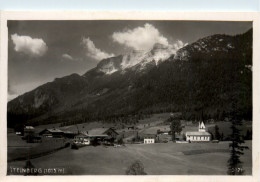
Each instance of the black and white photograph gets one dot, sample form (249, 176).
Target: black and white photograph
(129, 97)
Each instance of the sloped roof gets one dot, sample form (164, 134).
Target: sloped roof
(84, 132)
(151, 130)
(52, 130)
(149, 135)
(81, 135)
(98, 132)
(68, 132)
(197, 133)
(29, 127)
(202, 126)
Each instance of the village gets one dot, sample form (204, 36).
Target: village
(112, 137)
(149, 140)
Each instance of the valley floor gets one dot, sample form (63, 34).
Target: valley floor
(158, 159)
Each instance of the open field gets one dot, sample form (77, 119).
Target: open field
(158, 159)
(19, 149)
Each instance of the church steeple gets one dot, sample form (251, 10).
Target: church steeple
(202, 127)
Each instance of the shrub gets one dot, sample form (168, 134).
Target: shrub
(136, 168)
(120, 141)
(74, 146)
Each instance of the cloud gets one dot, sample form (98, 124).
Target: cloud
(177, 45)
(167, 51)
(11, 96)
(94, 52)
(30, 46)
(67, 57)
(11, 92)
(140, 38)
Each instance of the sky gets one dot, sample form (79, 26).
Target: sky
(40, 51)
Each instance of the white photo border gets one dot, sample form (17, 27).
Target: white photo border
(128, 15)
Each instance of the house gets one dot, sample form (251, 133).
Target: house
(163, 135)
(149, 135)
(149, 138)
(102, 133)
(28, 130)
(198, 136)
(95, 136)
(82, 139)
(69, 134)
(55, 133)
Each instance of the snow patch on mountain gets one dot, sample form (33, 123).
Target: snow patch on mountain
(109, 68)
(158, 53)
(140, 58)
(133, 58)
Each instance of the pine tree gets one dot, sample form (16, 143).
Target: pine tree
(217, 134)
(234, 163)
(175, 126)
(222, 136)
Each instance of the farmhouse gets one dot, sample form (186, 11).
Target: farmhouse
(198, 136)
(149, 138)
(102, 133)
(95, 136)
(69, 134)
(82, 139)
(28, 130)
(149, 135)
(56, 133)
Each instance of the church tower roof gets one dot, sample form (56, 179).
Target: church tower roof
(202, 127)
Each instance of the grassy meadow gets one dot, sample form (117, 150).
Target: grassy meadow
(158, 159)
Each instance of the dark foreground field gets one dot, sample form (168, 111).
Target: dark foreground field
(19, 149)
(158, 159)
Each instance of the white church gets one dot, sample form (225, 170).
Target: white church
(198, 136)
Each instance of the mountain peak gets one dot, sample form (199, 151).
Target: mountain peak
(110, 65)
(209, 46)
(173, 84)
(136, 59)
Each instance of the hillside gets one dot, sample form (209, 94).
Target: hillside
(210, 78)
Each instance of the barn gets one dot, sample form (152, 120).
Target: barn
(55, 133)
(198, 136)
(69, 134)
(28, 130)
(102, 133)
(82, 139)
